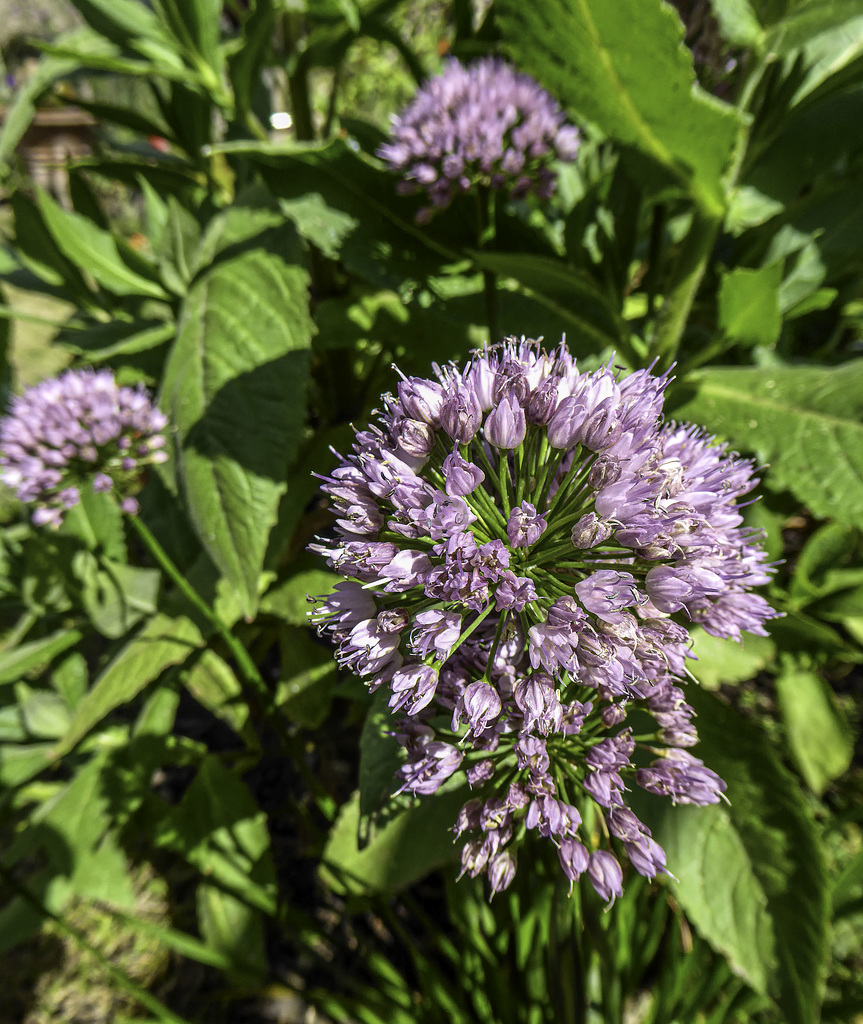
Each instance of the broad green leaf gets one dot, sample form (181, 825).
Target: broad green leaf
(119, 338)
(749, 304)
(36, 249)
(72, 831)
(88, 246)
(116, 595)
(318, 223)
(804, 421)
(354, 187)
(380, 754)
(219, 828)
(407, 846)
(726, 661)
(70, 678)
(738, 22)
(307, 677)
(751, 873)
(97, 521)
(289, 598)
(234, 389)
(848, 888)
(19, 764)
(623, 66)
(46, 714)
(212, 682)
(36, 653)
(829, 547)
(161, 643)
(12, 725)
(234, 931)
(819, 736)
(568, 293)
(748, 208)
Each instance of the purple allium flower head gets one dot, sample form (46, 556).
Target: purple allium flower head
(78, 429)
(484, 124)
(518, 607)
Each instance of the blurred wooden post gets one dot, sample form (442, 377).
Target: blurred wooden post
(56, 135)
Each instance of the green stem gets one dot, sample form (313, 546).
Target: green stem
(486, 229)
(505, 483)
(494, 645)
(480, 501)
(145, 998)
(298, 85)
(691, 265)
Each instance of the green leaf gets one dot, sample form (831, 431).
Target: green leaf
(121, 21)
(289, 598)
(749, 304)
(308, 674)
(195, 25)
(36, 249)
(20, 112)
(726, 661)
(161, 643)
(120, 338)
(409, 845)
(602, 60)
(98, 523)
(212, 682)
(70, 678)
(88, 246)
(245, 65)
(804, 421)
(828, 548)
(738, 23)
(827, 34)
(355, 187)
(219, 829)
(568, 293)
(20, 764)
(46, 715)
(171, 938)
(36, 654)
(380, 754)
(318, 223)
(819, 736)
(748, 208)
(72, 831)
(234, 389)
(234, 931)
(806, 148)
(751, 874)
(116, 595)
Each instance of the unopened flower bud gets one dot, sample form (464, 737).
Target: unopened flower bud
(543, 402)
(590, 531)
(505, 425)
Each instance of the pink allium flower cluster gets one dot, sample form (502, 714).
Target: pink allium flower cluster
(523, 544)
(80, 427)
(485, 124)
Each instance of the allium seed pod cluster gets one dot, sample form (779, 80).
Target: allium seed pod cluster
(78, 429)
(485, 124)
(522, 544)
